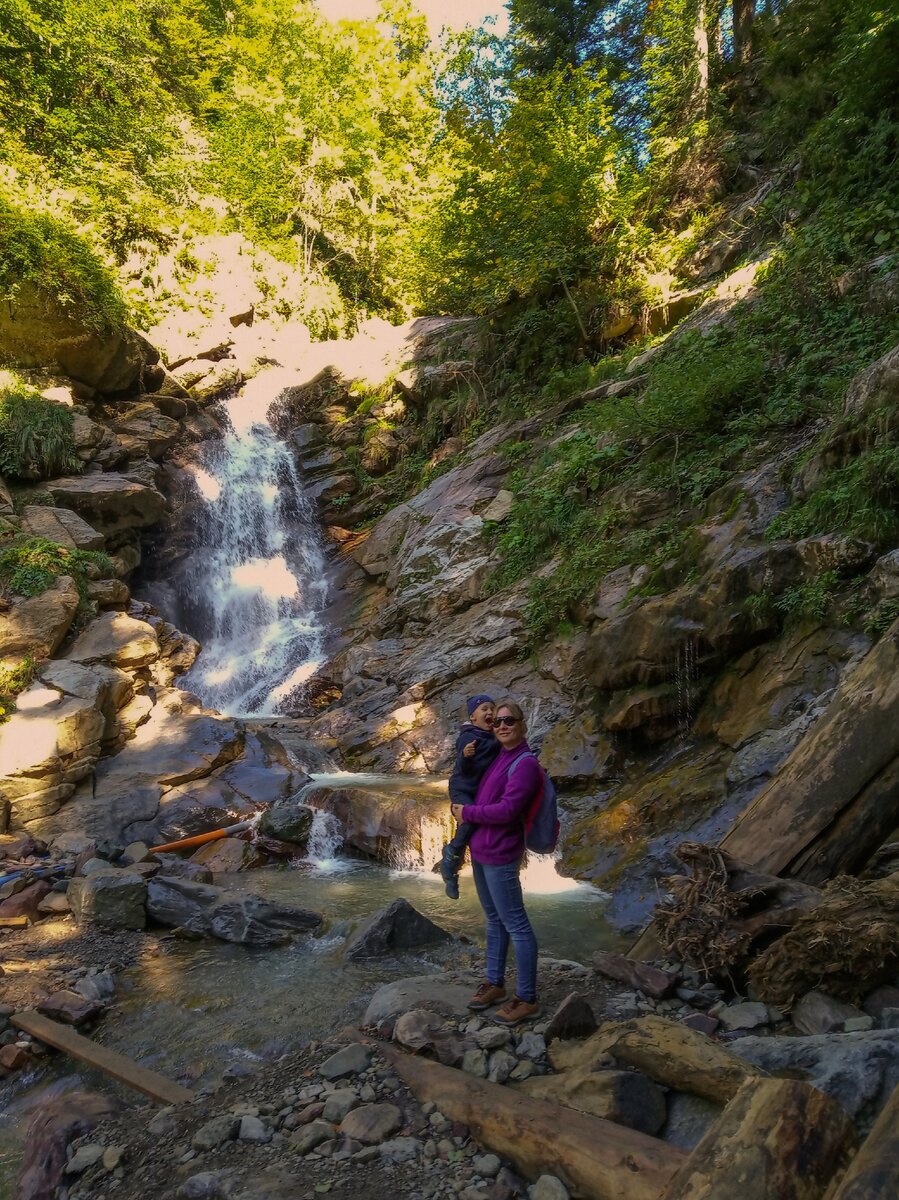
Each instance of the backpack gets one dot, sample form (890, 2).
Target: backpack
(541, 821)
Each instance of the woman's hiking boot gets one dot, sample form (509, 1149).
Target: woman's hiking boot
(486, 996)
(516, 1010)
(450, 863)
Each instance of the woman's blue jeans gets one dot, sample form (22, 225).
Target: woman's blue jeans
(499, 891)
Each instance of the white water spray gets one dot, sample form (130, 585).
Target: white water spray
(257, 578)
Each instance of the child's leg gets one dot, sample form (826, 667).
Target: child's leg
(460, 839)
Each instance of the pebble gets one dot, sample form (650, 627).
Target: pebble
(351, 1060)
(252, 1129)
(475, 1063)
(487, 1165)
(339, 1103)
(211, 1135)
(400, 1149)
(548, 1187)
(311, 1136)
(530, 1045)
(84, 1157)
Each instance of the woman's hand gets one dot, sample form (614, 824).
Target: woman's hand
(456, 810)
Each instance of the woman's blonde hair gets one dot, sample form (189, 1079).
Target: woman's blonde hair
(513, 708)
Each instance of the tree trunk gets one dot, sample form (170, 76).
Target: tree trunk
(874, 1172)
(594, 1158)
(744, 15)
(701, 40)
(778, 1139)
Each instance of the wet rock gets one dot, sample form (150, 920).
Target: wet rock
(228, 855)
(574, 1018)
(816, 1012)
(13, 1057)
(397, 927)
(183, 868)
(287, 823)
(110, 897)
(372, 1123)
(69, 1008)
(231, 916)
(350, 1060)
(216, 1132)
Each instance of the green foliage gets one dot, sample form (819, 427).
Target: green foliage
(46, 253)
(13, 680)
(30, 565)
(35, 434)
(882, 618)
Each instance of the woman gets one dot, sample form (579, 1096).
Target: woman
(497, 848)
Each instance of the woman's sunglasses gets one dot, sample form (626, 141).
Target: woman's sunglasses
(508, 722)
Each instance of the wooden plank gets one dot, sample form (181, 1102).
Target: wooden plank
(157, 1087)
(778, 1139)
(595, 1158)
(874, 1172)
(13, 922)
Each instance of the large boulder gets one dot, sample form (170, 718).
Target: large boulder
(446, 993)
(36, 625)
(60, 525)
(398, 927)
(118, 639)
(38, 331)
(288, 822)
(113, 898)
(110, 502)
(145, 431)
(221, 913)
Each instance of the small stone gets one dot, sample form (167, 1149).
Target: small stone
(96, 987)
(253, 1130)
(487, 1165)
(749, 1015)
(351, 1060)
(548, 1187)
(524, 1070)
(475, 1063)
(889, 1018)
(136, 852)
(858, 1024)
(367, 1154)
(492, 1037)
(84, 1157)
(70, 1008)
(311, 1136)
(501, 1066)
(530, 1045)
(207, 1185)
(702, 1023)
(215, 1133)
(574, 1018)
(112, 1156)
(164, 1124)
(338, 1104)
(372, 1123)
(816, 1012)
(13, 1057)
(400, 1149)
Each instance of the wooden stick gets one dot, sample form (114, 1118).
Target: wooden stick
(778, 1139)
(594, 1158)
(157, 1087)
(874, 1172)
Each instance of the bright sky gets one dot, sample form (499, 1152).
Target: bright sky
(455, 13)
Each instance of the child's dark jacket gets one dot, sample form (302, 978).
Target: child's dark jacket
(468, 772)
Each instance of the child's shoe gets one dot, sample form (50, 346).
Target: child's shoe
(449, 871)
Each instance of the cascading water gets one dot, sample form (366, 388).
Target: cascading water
(256, 583)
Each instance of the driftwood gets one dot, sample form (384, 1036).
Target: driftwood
(666, 1051)
(595, 1159)
(874, 1172)
(845, 946)
(717, 915)
(778, 1139)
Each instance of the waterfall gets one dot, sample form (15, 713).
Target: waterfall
(256, 583)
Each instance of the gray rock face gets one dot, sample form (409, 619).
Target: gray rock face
(228, 915)
(372, 1123)
(287, 822)
(61, 525)
(183, 868)
(859, 1070)
(109, 897)
(37, 624)
(108, 501)
(117, 639)
(398, 927)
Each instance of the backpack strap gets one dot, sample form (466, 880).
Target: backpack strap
(524, 754)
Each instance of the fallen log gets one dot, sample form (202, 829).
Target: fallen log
(874, 1172)
(846, 946)
(595, 1159)
(667, 1051)
(778, 1139)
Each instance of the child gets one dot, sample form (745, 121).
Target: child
(476, 748)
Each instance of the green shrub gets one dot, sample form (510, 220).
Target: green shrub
(13, 680)
(44, 252)
(36, 439)
(30, 565)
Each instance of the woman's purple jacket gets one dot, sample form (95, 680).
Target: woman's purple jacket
(500, 806)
